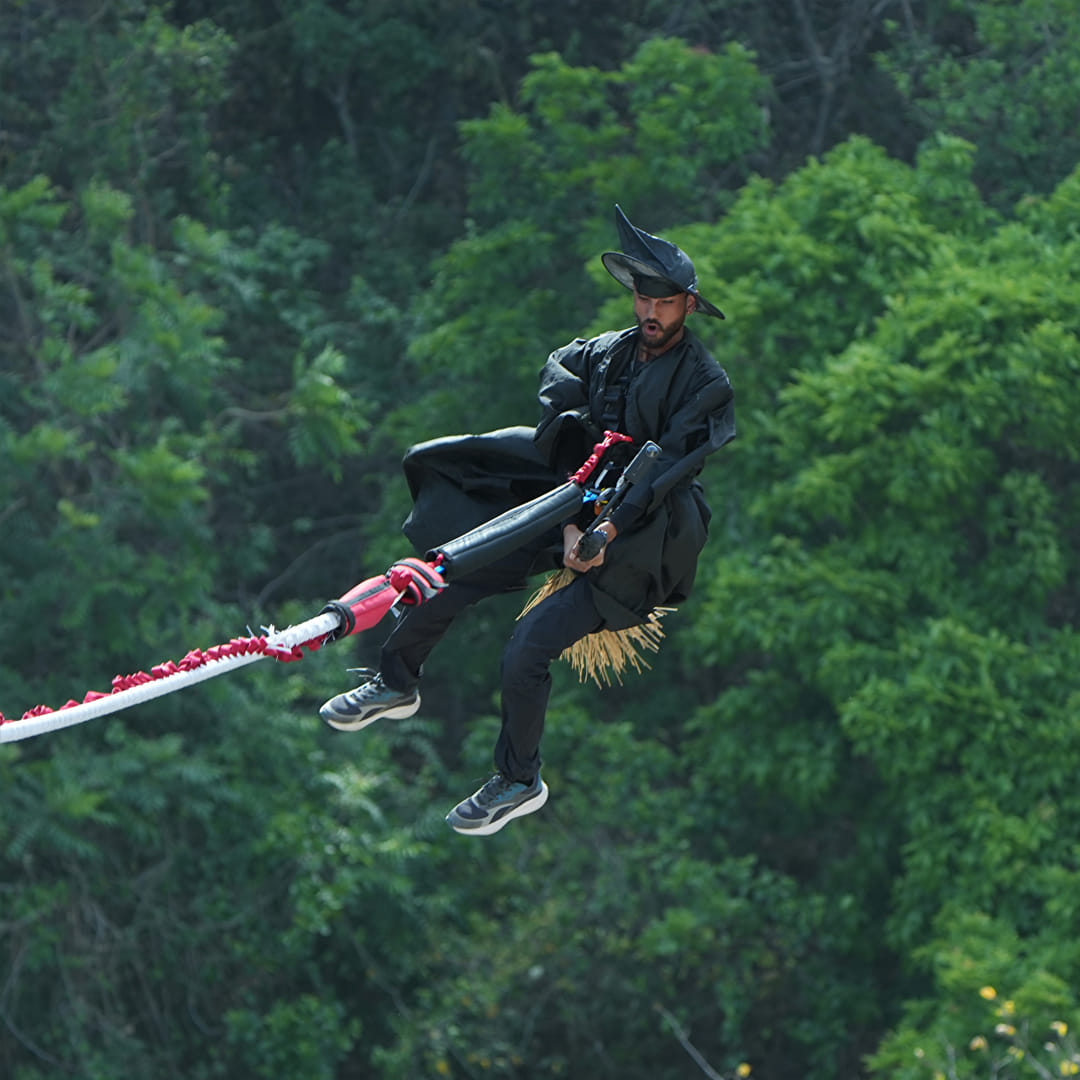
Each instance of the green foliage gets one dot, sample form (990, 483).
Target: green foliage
(119, 94)
(1004, 75)
(914, 581)
(637, 907)
(305, 1037)
(127, 426)
(108, 373)
(1008, 1017)
(249, 252)
(544, 182)
(179, 883)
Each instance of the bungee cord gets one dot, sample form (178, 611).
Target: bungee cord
(197, 666)
(409, 581)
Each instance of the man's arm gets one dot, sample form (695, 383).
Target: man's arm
(700, 426)
(564, 381)
(567, 429)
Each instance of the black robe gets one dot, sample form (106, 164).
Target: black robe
(681, 400)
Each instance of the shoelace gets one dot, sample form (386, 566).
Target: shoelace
(372, 683)
(364, 672)
(498, 785)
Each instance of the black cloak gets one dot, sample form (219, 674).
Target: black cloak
(681, 400)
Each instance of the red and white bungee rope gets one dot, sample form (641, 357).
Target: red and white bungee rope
(197, 666)
(410, 581)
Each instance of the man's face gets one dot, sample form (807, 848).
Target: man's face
(660, 318)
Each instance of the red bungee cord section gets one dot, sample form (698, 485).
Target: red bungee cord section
(410, 581)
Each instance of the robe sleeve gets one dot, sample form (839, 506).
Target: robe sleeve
(697, 428)
(566, 433)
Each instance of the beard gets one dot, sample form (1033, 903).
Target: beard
(655, 334)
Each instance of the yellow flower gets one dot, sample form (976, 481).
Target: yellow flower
(1007, 1008)
(1005, 1029)
(442, 1067)
(1060, 1028)
(743, 1069)
(978, 1043)
(988, 992)
(1069, 1068)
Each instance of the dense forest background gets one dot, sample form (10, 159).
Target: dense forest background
(250, 251)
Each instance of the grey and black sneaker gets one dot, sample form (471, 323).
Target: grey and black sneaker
(370, 701)
(497, 802)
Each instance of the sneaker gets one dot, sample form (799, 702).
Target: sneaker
(497, 802)
(370, 701)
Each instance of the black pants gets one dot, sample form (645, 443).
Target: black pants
(538, 638)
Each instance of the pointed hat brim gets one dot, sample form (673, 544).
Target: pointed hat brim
(654, 257)
(623, 268)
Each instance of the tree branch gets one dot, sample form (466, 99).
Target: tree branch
(826, 72)
(686, 1044)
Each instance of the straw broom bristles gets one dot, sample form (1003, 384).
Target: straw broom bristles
(605, 653)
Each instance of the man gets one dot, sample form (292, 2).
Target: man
(654, 381)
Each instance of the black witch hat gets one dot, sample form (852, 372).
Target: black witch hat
(646, 261)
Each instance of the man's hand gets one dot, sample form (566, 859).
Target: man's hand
(572, 534)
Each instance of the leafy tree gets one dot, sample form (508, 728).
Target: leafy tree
(119, 94)
(174, 886)
(634, 907)
(584, 139)
(906, 572)
(1003, 75)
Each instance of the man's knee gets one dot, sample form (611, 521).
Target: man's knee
(525, 660)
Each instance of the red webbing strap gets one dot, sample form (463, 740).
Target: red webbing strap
(611, 438)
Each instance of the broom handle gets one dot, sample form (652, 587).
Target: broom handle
(593, 539)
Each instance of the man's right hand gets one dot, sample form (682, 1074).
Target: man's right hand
(571, 536)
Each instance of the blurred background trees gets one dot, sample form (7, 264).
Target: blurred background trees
(250, 252)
